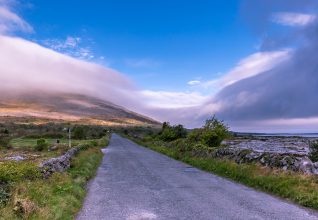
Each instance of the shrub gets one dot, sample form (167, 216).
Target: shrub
(171, 133)
(211, 134)
(145, 139)
(313, 155)
(94, 143)
(14, 172)
(40, 144)
(5, 141)
(79, 132)
(125, 132)
(101, 134)
(4, 197)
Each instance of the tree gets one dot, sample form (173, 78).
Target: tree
(79, 132)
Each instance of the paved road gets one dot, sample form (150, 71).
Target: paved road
(134, 182)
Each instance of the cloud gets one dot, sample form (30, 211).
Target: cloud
(11, 22)
(69, 47)
(164, 99)
(26, 66)
(250, 66)
(292, 19)
(142, 63)
(194, 82)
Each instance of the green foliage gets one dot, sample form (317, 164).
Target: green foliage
(94, 143)
(101, 134)
(79, 132)
(126, 132)
(313, 155)
(211, 134)
(5, 141)
(40, 141)
(165, 125)
(146, 139)
(14, 172)
(4, 197)
(4, 131)
(171, 133)
(40, 144)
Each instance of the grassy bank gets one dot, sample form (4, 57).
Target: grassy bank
(60, 196)
(293, 186)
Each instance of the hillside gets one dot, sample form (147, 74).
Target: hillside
(68, 107)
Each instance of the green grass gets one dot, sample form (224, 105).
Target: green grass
(296, 187)
(60, 196)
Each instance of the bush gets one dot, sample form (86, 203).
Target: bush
(211, 134)
(14, 172)
(126, 132)
(79, 132)
(171, 133)
(145, 139)
(40, 144)
(101, 134)
(94, 142)
(5, 141)
(313, 155)
(4, 197)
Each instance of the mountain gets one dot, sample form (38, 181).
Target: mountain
(61, 107)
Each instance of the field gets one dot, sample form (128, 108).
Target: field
(26, 148)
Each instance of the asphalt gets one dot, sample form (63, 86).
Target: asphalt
(134, 182)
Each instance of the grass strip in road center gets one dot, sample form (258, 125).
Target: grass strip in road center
(58, 197)
(296, 187)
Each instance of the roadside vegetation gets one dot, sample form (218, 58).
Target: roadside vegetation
(24, 194)
(196, 147)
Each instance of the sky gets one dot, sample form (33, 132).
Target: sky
(251, 63)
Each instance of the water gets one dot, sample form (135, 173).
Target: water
(311, 135)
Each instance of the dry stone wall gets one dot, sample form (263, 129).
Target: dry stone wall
(61, 163)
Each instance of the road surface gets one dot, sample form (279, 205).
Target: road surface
(134, 182)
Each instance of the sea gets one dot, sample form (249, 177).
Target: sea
(314, 135)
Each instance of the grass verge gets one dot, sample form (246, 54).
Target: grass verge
(296, 187)
(60, 196)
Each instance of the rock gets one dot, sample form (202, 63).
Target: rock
(25, 152)
(16, 158)
(59, 164)
(305, 166)
(53, 148)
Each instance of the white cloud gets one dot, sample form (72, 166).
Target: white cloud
(164, 99)
(292, 19)
(69, 47)
(142, 63)
(194, 82)
(250, 66)
(10, 21)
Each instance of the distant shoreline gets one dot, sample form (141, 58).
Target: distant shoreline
(310, 135)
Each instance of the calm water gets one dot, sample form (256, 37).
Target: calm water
(280, 134)
(289, 135)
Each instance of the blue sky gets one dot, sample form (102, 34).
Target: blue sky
(252, 63)
(162, 45)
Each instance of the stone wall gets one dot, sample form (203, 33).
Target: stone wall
(285, 161)
(61, 163)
